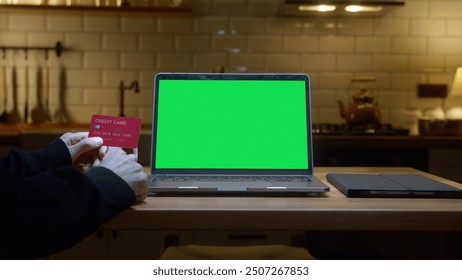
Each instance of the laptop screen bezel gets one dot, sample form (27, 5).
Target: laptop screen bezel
(232, 76)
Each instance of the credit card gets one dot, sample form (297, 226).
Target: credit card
(116, 131)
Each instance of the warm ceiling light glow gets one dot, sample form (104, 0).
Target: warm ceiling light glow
(359, 8)
(316, 8)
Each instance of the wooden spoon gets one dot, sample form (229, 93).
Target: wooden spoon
(26, 93)
(4, 115)
(38, 113)
(61, 115)
(13, 116)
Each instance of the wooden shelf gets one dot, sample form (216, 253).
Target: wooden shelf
(137, 10)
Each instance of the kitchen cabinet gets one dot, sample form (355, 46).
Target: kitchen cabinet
(150, 244)
(125, 244)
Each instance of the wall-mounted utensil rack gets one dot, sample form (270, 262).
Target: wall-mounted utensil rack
(156, 11)
(57, 48)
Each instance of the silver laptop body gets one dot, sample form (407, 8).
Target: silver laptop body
(229, 134)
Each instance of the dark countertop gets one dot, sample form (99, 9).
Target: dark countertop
(382, 142)
(10, 134)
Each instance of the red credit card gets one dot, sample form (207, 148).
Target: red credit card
(116, 131)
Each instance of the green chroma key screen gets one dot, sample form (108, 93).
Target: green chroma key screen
(231, 124)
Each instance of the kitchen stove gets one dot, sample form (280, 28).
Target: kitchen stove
(362, 129)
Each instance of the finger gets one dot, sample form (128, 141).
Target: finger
(102, 151)
(97, 162)
(71, 138)
(85, 145)
(132, 157)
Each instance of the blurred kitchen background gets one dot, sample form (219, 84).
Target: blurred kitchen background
(418, 43)
(104, 47)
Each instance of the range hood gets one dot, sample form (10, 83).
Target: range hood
(339, 7)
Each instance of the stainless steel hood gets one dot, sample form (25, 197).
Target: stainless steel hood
(340, 7)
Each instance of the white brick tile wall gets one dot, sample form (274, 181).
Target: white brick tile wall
(445, 8)
(212, 25)
(83, 41)
(377, 44)
(301, 44)
(192, 43)
(428, 27)
(26, 21)
(175, 61)
(354, 62)
(418, 43)
(426, 62)
(409, 45)
(391, 26)
(43, 39)
(13, 38)
(138, 24)
(266, 43)
(247, 62)
(319, 26)
(120, 42)
(452, 61)
(334, 80)
(333, 44)
(413, 9)
(390, 62)
(3, 20)
(264, 7)
(83, 78)
(205, 62)
(283, 26)
(175, 25)
(138, 60)
(108, 97)
(230, 43)
(444, 45)
(65, 22)
(101, 60)
(406, 81)
(283, 62)
(112, 78)
(102, 23)
(157, 42)
(454, 27)
(355, 26)
(318, 62)
(247, 25)
(234, 7)
(323, 98)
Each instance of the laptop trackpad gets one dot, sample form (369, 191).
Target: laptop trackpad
(231, 186)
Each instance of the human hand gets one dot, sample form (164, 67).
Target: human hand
(127, 168)
(84, 150)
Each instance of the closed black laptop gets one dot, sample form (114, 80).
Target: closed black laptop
(392, 185)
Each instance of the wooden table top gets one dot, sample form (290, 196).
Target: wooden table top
(332, 211)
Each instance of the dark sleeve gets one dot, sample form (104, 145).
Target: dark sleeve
(21, 163)
(52, 209)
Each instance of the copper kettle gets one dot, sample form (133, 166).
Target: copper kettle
(362, 110)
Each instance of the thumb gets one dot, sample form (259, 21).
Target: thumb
(85, 145)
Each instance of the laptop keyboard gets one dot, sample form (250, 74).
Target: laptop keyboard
(232, 178)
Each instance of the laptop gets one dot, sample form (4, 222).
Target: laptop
(392, 185)
(229, 134)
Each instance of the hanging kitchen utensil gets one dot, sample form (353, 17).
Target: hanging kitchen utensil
(38, 112)
(13, 116)
(4, 115)
(46, 91)
(26, 94)
(61, 115)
